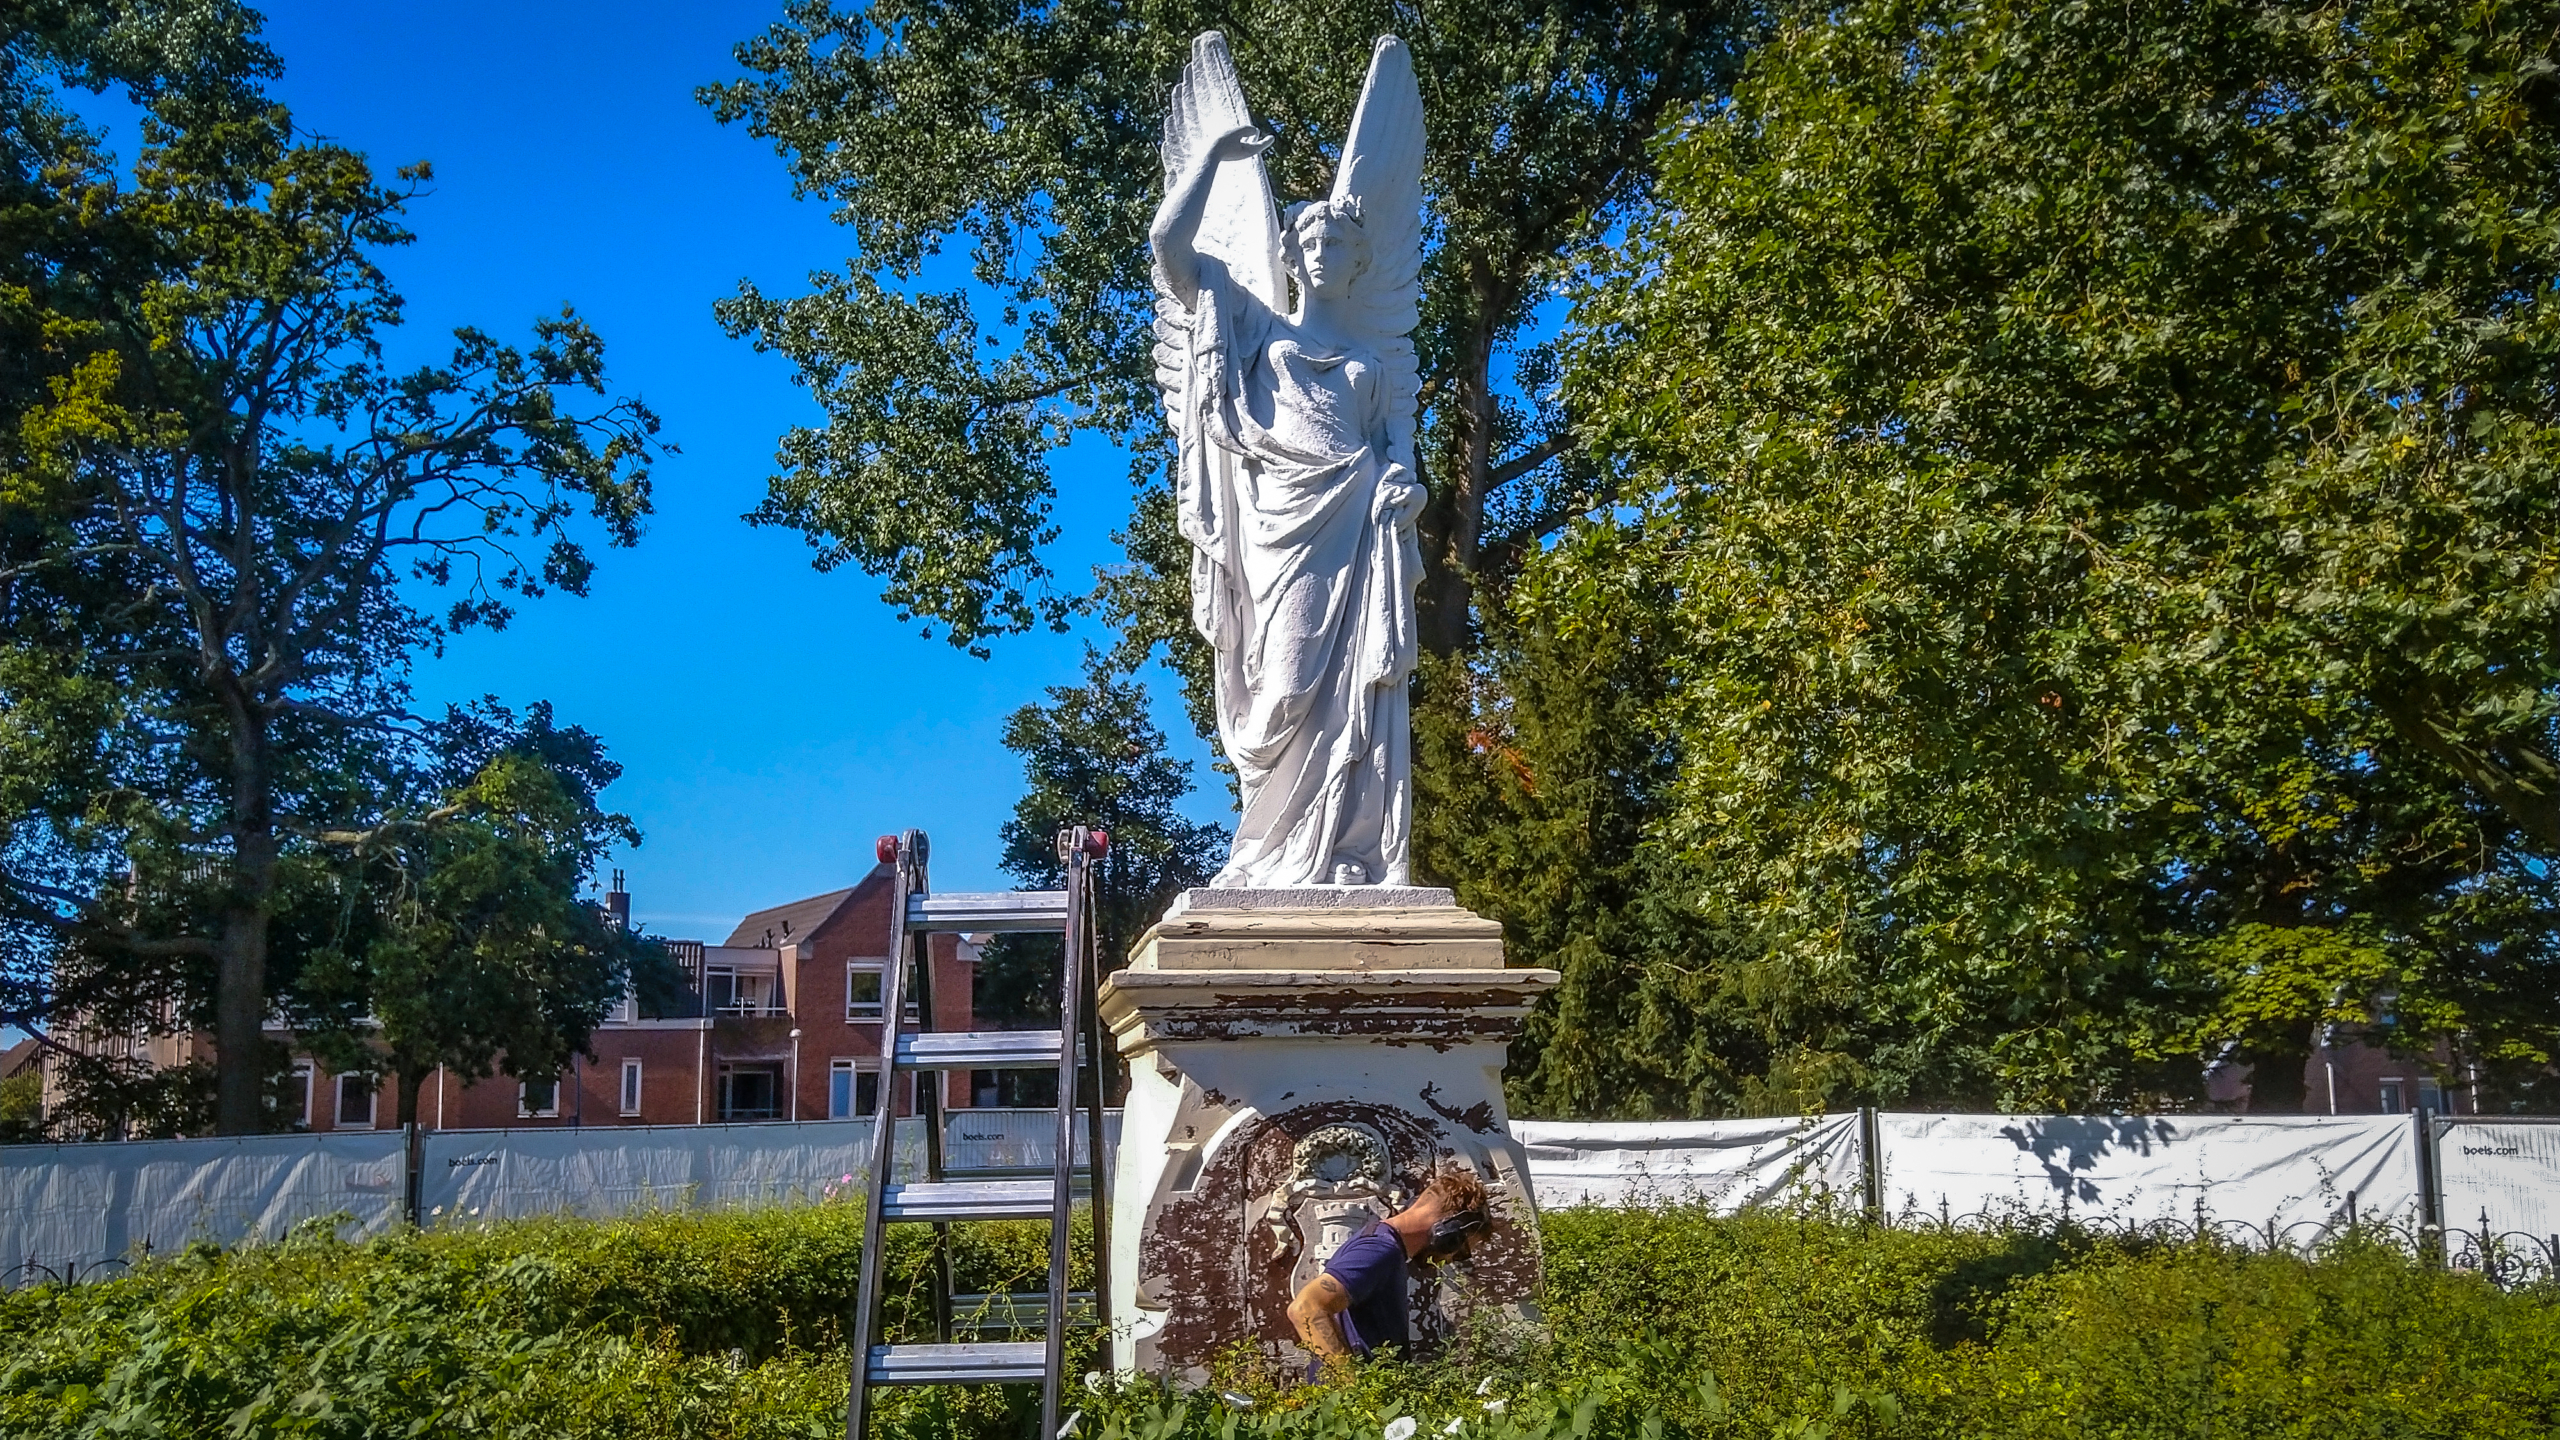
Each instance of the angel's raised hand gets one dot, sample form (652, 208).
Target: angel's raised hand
(1243, 142)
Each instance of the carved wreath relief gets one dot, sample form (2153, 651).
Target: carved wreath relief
(1339, 1179)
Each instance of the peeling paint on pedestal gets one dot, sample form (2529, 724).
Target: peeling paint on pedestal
(1222, 1277)
(1232, 1068)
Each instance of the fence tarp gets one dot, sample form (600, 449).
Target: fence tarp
(603, 1171)
(1726, 1164)
(64, 1206)
(2264, 1170)
(2509, 1170)
(1018, 1139)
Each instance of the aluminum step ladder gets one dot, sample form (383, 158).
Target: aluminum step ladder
(943, 1197)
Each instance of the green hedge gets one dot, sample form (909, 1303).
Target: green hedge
(1663, 1323)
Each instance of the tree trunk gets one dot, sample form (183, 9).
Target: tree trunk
(409, 1084)
(240, 986)
(240, 1003)
(1452, 521)
(1443, 605)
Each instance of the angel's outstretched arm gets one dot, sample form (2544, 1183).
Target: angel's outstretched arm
(1178, 218)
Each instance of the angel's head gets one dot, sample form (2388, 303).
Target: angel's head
(1325, 245)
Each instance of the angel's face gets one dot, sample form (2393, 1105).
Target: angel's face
(1329, 256)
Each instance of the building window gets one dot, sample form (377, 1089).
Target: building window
(538, 1097)
(2431, 1096)
(853, 1090)
(862, 990)
(750, 1092)
(355, 1101)
(631, 1087)
(301, 1097)
(1014, 1089)
(726, 992)
(843, 1076)
(2392, 1104)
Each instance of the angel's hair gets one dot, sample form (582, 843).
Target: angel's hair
(1344, 214)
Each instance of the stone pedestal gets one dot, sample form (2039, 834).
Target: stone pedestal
(1300, 1059)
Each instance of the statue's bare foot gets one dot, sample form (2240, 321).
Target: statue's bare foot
(1349, 873)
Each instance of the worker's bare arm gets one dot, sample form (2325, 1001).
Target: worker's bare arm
(1313, 1311)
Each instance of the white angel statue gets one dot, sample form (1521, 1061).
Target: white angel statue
(1296, 480)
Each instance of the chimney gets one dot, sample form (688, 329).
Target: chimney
(617, 904)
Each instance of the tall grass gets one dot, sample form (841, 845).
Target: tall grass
(1668, 1323)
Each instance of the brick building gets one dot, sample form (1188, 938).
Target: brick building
(784, 1025)
(2345, 1076)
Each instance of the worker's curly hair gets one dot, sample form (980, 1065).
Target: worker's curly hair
(1457, 1189)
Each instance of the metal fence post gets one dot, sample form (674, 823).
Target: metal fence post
(2430, 1203)
(1871, 1161)
(413, 1192)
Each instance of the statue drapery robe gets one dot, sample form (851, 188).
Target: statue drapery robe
(1305, 593)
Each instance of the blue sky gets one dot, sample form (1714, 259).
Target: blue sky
(772, 720)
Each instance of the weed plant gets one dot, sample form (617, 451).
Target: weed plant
(1658, 1325)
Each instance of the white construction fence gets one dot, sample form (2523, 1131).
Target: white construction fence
(2125, 1169)
(2481, 1189)
(1726, 1164)
(66, 1209)
(505, 1173)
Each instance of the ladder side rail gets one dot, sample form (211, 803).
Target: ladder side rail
(1100, 1063)
(929, 1098)
(907, 859)
(1062, 1159)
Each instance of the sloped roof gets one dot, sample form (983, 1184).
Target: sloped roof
(787, 924)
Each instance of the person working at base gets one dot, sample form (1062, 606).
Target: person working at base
(1358, 1303)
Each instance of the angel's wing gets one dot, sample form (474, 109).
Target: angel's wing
(1240, 226)
(1382, 170)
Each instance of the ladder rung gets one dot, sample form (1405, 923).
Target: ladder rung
(1079, 1184)
(957, 1364)
(979, 1049)
(1019, 1311)
(995, 910)
(971, 1200)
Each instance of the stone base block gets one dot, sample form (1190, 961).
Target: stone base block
(1335, 927)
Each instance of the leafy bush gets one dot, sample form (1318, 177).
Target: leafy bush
(678, 1323)
(1665, 1324)
(1826, 1327)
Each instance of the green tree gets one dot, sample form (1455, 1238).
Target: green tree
(2097, 462)
(1030, 136)
(1538, 792)
(222, 500)
(465, 945)
(1092, 757)
(70, 259)
(22, 1106)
